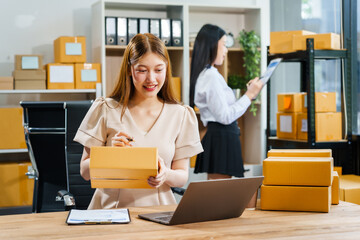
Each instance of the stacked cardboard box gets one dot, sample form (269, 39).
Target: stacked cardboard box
(16, 187)
(328, 125)
(29, 73)
(292, 117)
(114, 167)
(350, 188)
(291, 41)
(6, 83)
(12, 132)
(299, 180)
(70, 69)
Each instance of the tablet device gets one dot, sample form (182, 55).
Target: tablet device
(270, 70)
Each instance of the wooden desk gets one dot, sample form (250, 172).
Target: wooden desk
(343, 222)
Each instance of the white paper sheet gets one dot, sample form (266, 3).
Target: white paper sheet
(98, 216)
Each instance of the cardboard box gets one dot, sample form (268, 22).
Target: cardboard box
(11, 127)
(298, 171)
(30, 84)
(60, 76)
(328, 126)
(29, 75)
(130, 167)
(282, 42)
(338, 169)
(28, 62)
(324, 102)
(321, 41)
(286, 125)
(70, 50)
(350, 188)
(16, 188)
(6, 83)
(299, 153)
(295, 198)
(87, 75)
(289, 102)
(335, 189)
(176, 84)
(193, 161)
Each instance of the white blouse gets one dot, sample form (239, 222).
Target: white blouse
(216, 100)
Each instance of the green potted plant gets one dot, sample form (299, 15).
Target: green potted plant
(250, 43)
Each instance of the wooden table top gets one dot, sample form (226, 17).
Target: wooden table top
(342, 222)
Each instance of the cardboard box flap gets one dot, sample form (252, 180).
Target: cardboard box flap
(299, 153)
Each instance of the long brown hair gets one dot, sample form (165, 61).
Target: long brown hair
(138, 46)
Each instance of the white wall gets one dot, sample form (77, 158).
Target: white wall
(31, 26)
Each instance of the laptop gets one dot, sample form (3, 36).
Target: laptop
(210, 200)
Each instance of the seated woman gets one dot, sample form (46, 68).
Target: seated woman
(142, 108)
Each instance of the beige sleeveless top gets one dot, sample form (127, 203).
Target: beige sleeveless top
(175, 134)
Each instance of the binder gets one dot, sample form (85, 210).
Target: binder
(122, 31)
(144, 25)
(132, 28)
(165, 32)
(176, 33)
(110, 30)
(155, 27)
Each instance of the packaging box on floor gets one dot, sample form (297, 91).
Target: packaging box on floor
(6, 83)
(296, 198)
(282, 42)
(299, 153)
(70, 50)
(330, 41)
(324, 102)
(115, 167)
(87, 75)
(289, 102)
(350, 188)
(328, 126)
(298, 171)
(12, 132)
(60, 76)
(28, 62)
(16, 187)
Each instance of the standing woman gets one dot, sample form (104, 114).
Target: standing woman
(219, 109)
(142, 107)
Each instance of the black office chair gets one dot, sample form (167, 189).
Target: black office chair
(49, 130)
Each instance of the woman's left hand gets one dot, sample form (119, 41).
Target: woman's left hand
(161, 177)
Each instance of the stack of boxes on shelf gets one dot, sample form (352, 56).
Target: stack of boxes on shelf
(70, 70)
(29, 72)
(291, 41)
(292, 117)
(299, 180)
(6, 83)
(17, 189)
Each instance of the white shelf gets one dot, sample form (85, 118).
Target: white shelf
(48, 91)
(23, 150)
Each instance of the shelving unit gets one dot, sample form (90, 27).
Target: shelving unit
(307, 84)
(233, 16)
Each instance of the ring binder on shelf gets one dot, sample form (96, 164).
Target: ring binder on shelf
(165, 31)
(144, 25)
(110, 30)
(155, 27)
(176, 33)
(122, 31)
(132, 28)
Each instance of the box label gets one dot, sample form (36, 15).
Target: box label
(30, 62)
(286, 124)
(73, 49)
(304, 125)
(88, 75)
(61, 74)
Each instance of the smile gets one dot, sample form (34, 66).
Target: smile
(150, 87)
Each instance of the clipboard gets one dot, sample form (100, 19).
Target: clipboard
(98, 216)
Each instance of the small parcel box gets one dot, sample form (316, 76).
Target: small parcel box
(122, 167)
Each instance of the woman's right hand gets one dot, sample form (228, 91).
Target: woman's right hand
(121, 139)
(254, 87)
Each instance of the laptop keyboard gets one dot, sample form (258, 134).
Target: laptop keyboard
(164, 218)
